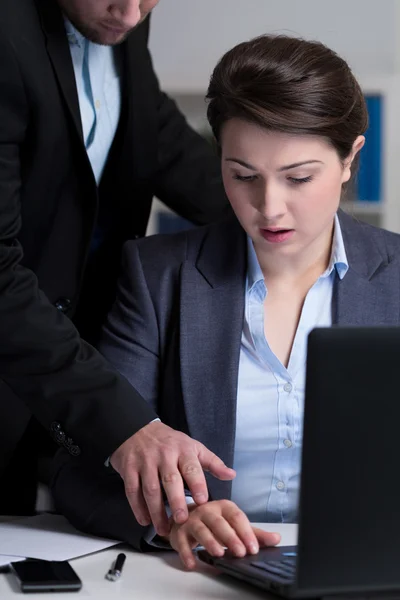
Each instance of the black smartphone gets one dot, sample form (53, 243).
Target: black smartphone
(45, 576)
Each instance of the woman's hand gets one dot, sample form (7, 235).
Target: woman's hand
(216, 526)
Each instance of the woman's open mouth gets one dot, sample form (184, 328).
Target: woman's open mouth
(276, 235)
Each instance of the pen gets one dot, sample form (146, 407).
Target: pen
(116, 568)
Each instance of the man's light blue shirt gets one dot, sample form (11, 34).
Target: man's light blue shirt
(98, 82)
(270, 398)
(97, 76)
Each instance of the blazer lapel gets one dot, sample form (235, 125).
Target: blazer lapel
(139, 106)
(212, 306)
(59, 53)
(368, 295)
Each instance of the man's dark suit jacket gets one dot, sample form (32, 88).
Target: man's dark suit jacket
(175, 333)
(49, 207)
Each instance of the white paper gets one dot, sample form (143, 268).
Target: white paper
(6, 560)
(48, 537)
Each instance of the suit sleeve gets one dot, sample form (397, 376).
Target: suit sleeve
(42, 358)
(93, 500)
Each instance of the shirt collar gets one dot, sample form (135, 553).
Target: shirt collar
(337, 261)
(254, 273)
(75, 38)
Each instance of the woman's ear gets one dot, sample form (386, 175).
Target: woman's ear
(357, 145)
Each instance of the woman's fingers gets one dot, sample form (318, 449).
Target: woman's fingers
(216, 526)
(266, 538)
(184, 548)
(232, 529)
(186, 537)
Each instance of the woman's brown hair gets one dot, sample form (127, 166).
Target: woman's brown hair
(288, 85)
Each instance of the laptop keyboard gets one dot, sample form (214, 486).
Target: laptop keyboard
(284, 569)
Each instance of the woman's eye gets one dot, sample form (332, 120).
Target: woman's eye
(247, 178)
(297, 181)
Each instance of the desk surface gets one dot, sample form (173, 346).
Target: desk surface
(156, 576)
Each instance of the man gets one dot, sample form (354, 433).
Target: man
(86, 139)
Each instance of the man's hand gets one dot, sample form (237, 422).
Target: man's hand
(157, 453)
(217, 525)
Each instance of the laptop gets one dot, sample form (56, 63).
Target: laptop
(349, 510)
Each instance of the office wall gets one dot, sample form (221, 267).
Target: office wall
(188, 36)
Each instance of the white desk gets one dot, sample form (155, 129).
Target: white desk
(156, 576)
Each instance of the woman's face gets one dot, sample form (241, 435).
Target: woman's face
(285, 189)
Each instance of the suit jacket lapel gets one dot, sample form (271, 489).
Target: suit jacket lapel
(369, 293)
(138, 123)
(58, 50)
(212, 305)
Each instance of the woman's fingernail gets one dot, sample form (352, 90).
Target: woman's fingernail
(253, 548)
(238, 550)
(218, 551)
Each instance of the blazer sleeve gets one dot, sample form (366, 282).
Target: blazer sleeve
(42, 358)
(93, 499)
(130, 338)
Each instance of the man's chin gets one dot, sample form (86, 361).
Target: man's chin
(110, 37)
(103, 35)
(106, 37)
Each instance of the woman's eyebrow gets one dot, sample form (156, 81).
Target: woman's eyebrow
(284, 168)
(241, 162)
(299, 164)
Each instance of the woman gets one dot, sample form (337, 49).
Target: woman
(211, 325)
